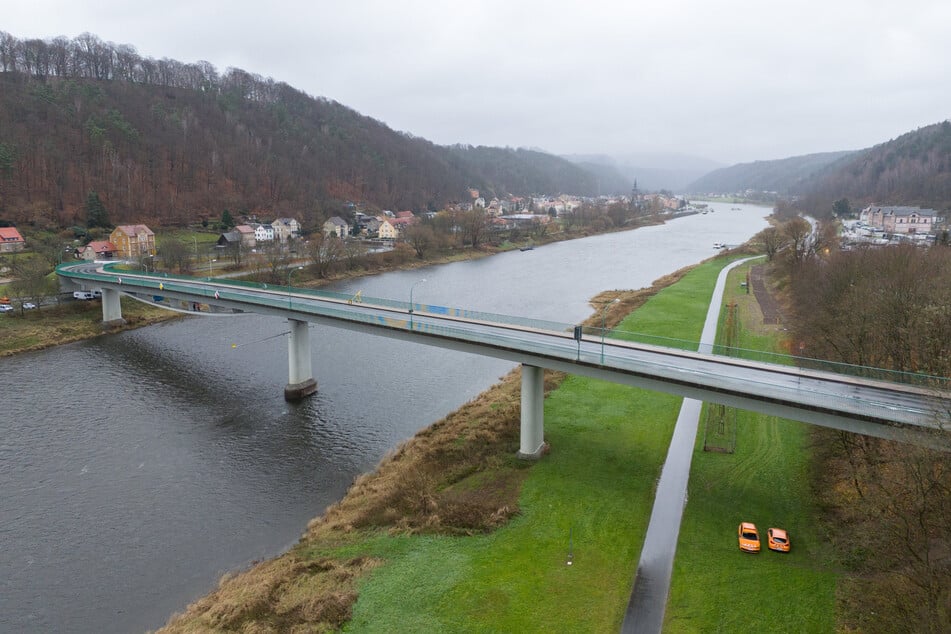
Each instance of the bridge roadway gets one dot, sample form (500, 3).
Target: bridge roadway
(879, 408)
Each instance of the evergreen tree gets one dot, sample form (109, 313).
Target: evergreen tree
(226, 220)
(96, 215)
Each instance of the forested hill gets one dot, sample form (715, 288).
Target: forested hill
(914, 169)
(166, 142)
(784, 176)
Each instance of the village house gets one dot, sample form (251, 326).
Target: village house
(901, 220)
(248, 238)
(133, 241)
(11, 240)
(98, 250)
(386, 230)
(230, 239)
(336, 226)
(286, 228)
(263, 233)
(403, 219)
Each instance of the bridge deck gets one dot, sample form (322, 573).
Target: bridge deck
(864, 405)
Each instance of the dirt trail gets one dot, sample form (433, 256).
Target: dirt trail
(772, 313)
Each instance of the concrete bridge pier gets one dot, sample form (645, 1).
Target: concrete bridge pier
(532, 437)
(111, 308)
(300, 381)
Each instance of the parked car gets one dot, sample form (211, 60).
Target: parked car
(777, 539)
(748, 537)
(28, 305)
(5, 308)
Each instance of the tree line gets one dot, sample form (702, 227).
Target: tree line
(887, 505)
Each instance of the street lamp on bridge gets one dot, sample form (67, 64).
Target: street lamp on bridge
(290, 272)
(411, 288)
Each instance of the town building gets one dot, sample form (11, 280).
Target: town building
(901, 220)
(263, 233)
(248, 238)
(386, 230)
(336, 226)
(133, 241)
(286, 228)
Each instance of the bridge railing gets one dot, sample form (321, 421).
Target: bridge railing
(295, 297)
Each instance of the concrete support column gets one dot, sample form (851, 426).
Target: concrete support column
(532, 440)
(300, 377)
(111, 308)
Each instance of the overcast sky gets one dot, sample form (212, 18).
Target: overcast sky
(727, 80)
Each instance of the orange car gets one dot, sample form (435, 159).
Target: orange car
(778, 540)
(749, 538)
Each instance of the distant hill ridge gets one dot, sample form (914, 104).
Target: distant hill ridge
(784, 176)
(913, 169)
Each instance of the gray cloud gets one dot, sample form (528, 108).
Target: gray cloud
(732, 80)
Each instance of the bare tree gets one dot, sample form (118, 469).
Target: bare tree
(421, 237)
(354, 252)
(325, 253)
(798, 232)
(773, 240)
(175, 254)
(474, 227)
(31, 279)
(277, 261)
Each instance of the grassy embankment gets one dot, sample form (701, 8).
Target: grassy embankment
(451, 533)
(715, 587)
(71, 321)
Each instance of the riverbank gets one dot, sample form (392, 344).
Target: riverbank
(68, 322)
(77, 321)
(451, 529)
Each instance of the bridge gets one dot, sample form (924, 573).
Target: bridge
(904, 407)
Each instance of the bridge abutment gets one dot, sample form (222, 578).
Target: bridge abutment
(532, 436)
(300, 376)
(111, 308)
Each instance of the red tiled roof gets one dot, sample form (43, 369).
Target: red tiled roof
(133, 230)
(101, 246)
(10, 234)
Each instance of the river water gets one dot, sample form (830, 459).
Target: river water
(137, 468)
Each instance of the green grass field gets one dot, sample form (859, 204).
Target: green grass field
(717, 588)
(608, 443)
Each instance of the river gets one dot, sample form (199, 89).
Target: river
(137, 468)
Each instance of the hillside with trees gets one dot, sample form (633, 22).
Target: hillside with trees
(914, 169)
(166, 143)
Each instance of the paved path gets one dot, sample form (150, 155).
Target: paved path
(645, 610)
